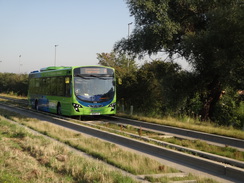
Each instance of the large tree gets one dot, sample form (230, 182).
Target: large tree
(209, 34)
(122, 64)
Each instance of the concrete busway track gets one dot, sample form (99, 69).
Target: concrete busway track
(182, 133)
(226, 141)
(227, 173)
(152, 127)
(199, 153)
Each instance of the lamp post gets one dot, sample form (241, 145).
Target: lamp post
(19, 63)
(129, 29)
(55, 54)
(128, 63)
(1, 62)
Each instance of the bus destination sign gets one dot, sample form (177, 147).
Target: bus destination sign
(93, 70)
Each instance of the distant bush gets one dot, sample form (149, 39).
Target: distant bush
(14, 83)
(229, 110)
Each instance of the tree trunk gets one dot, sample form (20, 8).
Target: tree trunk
(213, 96)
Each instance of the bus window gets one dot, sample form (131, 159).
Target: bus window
(48, 86)
(37, 85)
(60, 86)
(43, 86)
(67, 86)
(53, 86)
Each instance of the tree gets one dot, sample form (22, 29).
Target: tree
(161, 87)
(125, 68)
(209, 34)
(122, 64)
(14, 83)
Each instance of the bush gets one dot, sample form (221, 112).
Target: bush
(14, 83)
(229, 110)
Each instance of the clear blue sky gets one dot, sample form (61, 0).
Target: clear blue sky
(80, 28)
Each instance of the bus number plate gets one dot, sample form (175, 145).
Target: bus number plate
(97, 113)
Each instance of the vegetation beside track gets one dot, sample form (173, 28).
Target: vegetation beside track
(193, 144)
(27, 157)
(191, 124)
(184, 122)
(43, 160)
(128, 161)
(41, 157)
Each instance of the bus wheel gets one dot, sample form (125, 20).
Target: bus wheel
(59, 109)
(36, 105)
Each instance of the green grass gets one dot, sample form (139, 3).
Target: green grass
(34, 159)
(43, 160)
(108, 152)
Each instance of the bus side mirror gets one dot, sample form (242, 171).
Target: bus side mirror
(119, 81)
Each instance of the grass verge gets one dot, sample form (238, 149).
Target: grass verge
(26, 157)
(46, 161)
(108, 152)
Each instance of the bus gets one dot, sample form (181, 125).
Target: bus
(73, 91)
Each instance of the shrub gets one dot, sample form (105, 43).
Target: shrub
(14, 83)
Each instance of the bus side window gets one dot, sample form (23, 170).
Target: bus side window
(48, 86)
(60, 86)
(53, 86)
(37, 85)
(43, 86)
(67, 86)
(31, 85)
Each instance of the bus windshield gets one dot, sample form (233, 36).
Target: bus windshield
(94, 88)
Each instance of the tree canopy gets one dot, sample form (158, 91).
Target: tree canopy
(122, 64)
(209, 34)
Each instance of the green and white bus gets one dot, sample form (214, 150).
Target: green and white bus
(73, 91)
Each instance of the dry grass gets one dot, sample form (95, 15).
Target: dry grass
(32, 158)
(43, 160)
(13, 95)
(111, 153)
(108, 152)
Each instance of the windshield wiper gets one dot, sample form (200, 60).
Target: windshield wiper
(100, 77)
(93, 76)
(82, 76)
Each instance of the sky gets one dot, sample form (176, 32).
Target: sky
(30, 29)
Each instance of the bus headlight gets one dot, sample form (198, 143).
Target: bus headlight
(76, 107)
(112, 106)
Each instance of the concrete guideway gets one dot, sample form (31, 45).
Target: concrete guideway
(227, 172)
(210, 156)
(229, 141)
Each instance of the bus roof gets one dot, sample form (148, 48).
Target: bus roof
(53, 68)
(61, 68)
